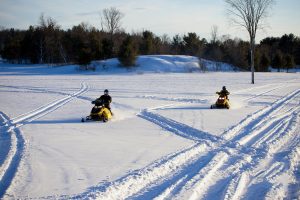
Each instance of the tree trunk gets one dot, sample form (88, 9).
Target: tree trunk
(252, 53)
(62, 53)
(41, 52)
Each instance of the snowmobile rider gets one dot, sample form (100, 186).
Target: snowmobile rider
(223, 92)
(105, 99)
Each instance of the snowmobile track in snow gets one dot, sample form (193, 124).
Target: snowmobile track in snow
(227, 167)
(46, 109)
(13, 143)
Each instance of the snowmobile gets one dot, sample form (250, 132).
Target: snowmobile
(222, 102)
(98, 113)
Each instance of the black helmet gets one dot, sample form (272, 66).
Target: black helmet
(224, 88)
(106, 91)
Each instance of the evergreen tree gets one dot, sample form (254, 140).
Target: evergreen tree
(107, 48)
(47, 43)
(28, 47)
(95, 44)
(264, 63)
(236, 52)
(148, 43)
(214, 52)
(287, 43)
(297, 53)
(50, 40)
(193, 46)
(289, 62)
(12, 46)
(85, 57)
(177, 45)
(278, 61)
(127, 54)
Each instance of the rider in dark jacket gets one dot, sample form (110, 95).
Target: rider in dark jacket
(105, 99)
(223, 92)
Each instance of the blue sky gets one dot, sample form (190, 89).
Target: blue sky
(159, 16)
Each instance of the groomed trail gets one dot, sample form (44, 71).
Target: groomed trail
(12, 140)
(258, 156)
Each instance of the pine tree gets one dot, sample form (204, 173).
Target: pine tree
(264, 62)
(148, 43)
(177, 45)
(85, 56)
(127, 54)
(12, 46)
(193, 46)
(107, 48)
(289, 62)
(278, 61)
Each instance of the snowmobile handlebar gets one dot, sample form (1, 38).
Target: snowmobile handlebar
(97, 102)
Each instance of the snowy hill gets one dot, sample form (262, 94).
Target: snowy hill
(164, 141)
(163, 63)
(144, 64)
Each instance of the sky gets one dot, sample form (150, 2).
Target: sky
(159, 16)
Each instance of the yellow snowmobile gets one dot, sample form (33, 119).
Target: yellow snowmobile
(222, 101)
(98, 113)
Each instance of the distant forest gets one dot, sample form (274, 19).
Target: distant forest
(48, 43)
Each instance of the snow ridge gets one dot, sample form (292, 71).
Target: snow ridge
(178, 128)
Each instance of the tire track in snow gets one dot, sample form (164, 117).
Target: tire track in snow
(265, 124)
(178, 128)
(242, 161)
(265, 92)
(169, 191)
(266, 161)
(207, 169)
(255, 118)
(135, 182)
(170, 173)
(48, 108)
(196, 187)
(178, 99)
(15, 144)
(264, 167)
(13, 157)
(242, 91)
(5, 139)
(237, 187)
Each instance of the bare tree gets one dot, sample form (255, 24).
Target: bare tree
(214, 34)
(111, 20)
(42, 26)
(249, 14)
(49, 40)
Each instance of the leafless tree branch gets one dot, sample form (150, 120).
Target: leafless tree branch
(111, 19)
(250, 15)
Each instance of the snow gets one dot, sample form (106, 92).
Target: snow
(161, 64)
(164, 141)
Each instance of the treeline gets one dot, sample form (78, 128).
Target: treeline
(48, 43)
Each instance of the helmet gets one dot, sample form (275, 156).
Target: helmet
(106, 91)
(224, 88)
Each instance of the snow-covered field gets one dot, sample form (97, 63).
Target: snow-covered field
(164, 141)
